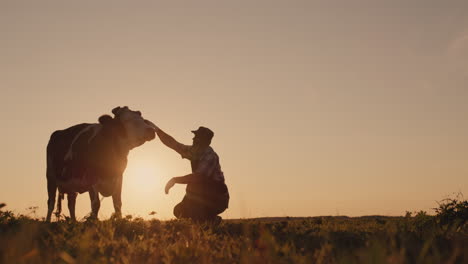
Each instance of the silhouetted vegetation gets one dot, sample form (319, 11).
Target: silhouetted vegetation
(414, 238)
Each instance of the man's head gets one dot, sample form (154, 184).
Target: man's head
(203, 136)
(135, 129)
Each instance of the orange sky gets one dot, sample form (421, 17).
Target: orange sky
(318, 107)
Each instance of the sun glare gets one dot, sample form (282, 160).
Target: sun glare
(142, 176)
(143, 185)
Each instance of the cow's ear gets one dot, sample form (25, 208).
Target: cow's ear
(116, 110)
(105, 119)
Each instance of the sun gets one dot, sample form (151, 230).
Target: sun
(143, 184)
(142, 176)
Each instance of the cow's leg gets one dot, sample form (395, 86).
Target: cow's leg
(95, 203)
(117, 198)
(71, 197)
(51, 190)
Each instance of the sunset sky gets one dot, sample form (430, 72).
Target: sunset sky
(318, 107)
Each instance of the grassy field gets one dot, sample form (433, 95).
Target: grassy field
(414, 238)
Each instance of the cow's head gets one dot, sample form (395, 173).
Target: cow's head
(129, 125)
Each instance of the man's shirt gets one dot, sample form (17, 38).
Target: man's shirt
(207, 163)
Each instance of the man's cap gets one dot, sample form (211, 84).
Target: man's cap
(204, 132)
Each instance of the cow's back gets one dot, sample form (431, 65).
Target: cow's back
(59, 145)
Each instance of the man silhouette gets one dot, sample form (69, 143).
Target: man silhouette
(206, 193)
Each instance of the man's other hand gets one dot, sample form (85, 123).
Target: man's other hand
(169, 185)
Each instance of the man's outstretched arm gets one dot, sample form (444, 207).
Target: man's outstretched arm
(170, 142)
(167, 140)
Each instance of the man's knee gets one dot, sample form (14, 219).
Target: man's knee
(178, 213)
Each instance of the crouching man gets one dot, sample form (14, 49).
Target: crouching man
(206, 193)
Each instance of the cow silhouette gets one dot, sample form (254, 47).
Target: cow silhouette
(92, 158)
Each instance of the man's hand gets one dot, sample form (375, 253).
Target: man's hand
(169, 185)
(155, 127)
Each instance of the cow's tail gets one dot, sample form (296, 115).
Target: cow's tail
(59, 204)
